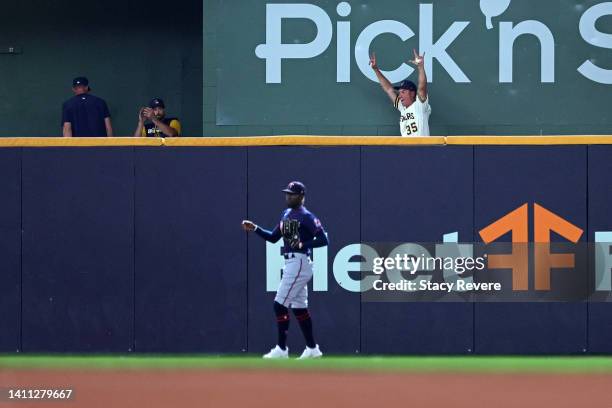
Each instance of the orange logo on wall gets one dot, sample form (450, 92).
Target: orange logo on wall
(517, 223)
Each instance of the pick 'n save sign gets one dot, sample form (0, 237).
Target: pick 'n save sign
(547, 62)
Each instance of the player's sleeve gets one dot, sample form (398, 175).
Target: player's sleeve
(313, 224)
(270, 236)
(320, 239)
(143, 132)
(318, 232)
(176, 125)
(423, 106)
(397, 102)
(66, 115)
(105, 110)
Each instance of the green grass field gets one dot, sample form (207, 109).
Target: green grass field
(577, 365)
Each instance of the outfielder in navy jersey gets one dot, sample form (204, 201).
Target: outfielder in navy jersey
(301, 231)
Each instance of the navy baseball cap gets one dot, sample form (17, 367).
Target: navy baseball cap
(157, 102)
(80, 81)
(406, 84)
(295, 187)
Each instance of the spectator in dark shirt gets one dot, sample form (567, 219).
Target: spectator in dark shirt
(85, 115)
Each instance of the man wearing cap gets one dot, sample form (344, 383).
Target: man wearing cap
(301, 231)
(85, 115)
(411, 100)
(152, 121)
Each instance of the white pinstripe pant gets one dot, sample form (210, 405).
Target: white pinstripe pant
(293, 288)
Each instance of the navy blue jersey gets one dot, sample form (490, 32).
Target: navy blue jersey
(296, 226)
(86, 114)
(307, 225)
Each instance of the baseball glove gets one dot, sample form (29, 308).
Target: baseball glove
(291, 235)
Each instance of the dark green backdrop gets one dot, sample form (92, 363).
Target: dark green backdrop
(130, 51)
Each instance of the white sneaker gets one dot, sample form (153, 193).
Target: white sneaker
(311, 353)
(277, 352)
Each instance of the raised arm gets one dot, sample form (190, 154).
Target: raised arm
(418, 61)
(384, 82)
(139, 129)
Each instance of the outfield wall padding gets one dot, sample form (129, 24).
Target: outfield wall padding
(139, 248)
(600, 219)
(78, 250)
(504, 179)
(191, 266)
(10, 250)
(416, 195)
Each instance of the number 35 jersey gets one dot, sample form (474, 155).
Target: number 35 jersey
(414, 119)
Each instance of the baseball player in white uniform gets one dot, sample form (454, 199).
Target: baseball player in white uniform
(411, 100)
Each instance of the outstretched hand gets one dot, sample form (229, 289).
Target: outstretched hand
(418, 60)
(248, 226)
(373, 61)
